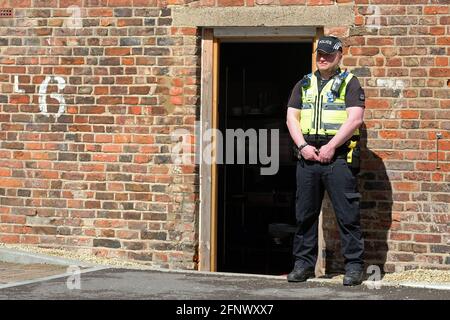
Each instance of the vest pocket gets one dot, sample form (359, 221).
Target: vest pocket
(333, 116)
(306, 117)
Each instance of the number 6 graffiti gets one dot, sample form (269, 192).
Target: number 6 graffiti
(57, 96)
(43, 94)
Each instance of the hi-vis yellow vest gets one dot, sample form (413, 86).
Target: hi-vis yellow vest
(323, 114)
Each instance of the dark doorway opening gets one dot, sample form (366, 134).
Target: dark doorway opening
(256, 213)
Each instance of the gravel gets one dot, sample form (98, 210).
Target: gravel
(419, 275)
(423, 276)
(84, 257)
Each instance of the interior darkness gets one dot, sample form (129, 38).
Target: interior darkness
(256, 213)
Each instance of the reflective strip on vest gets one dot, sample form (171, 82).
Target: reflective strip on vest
(324, 114)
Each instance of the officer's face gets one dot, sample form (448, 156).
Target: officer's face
(328, 61)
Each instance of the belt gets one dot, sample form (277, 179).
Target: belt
(321, 140)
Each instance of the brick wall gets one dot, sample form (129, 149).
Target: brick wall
(97, 175)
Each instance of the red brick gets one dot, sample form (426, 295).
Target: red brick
(176, 100)
(129, 22)
(30, 239)
(110, 100)
(435, 10)
(444, 41)
(119, 3)
(19, 99)
(9, 239)
(445, 20)
(377, 103)
(393, 62)
(117, 51)
(402, 257)
(136, 110)
(13, 219)
(365, 51)
(428, 238)
(13, 183)
(112, 148)
(127, 234)
(21, 3)
(100, 12)
(409, 114)
(101, 90)
(406, 186)
(437, 30)
(441, 61)
(143, 139)
(139, 90)
(13, 69)
(230, 3)
(45, 3)
(319, 2)
(440, 72)
(381, 41)
(144, 3)
(72, 60)
(104, 158)
(392, 134)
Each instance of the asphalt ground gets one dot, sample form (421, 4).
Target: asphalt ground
(129, 284)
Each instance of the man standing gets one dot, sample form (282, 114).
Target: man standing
(324, 114)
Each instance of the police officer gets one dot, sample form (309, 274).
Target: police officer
(325, 111)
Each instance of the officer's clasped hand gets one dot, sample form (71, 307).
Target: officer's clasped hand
(310, 153)
(326, 153)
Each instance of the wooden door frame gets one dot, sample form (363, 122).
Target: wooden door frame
(208, 172)
(207, 247)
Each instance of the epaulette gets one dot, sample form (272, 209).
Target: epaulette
(306, 80)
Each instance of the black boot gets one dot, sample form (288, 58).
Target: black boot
(300, 274)
(353, 278)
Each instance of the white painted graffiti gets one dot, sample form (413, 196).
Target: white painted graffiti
(43, 95)
(394, 84)
(398, 86)
(374, 19)
(74, 21)
(61, 83)
(16, 85)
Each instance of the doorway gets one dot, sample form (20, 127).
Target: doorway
(256, 212)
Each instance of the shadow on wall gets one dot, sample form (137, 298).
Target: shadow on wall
(376, 214)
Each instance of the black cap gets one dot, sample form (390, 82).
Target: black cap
(329, 44)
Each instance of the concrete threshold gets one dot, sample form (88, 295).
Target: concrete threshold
(29, 258)
(58, 276)
(16, 256)
(425, 285)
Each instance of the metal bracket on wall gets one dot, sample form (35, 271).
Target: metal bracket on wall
(6, 13)
(438, 137)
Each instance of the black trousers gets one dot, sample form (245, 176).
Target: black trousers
(313, 178)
